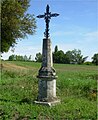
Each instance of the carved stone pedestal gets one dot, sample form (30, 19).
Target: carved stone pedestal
(47, 77)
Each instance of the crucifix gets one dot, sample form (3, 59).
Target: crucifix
(47, 16)
(47, 74)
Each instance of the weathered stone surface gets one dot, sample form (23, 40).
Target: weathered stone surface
(52, 103)
(47, 77)
(47, 90)
(47, 53)
(47, 61)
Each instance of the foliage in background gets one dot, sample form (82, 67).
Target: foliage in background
(95, 59)
(15, 22)
(19, 58)
(38, 57)
(88, 63)
(70, 57)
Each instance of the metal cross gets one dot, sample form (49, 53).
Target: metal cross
(47, 16)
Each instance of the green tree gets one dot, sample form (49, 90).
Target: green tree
(55, 54)
(59, 57)
(95, 59)
(12, 58)
(68, 57)
(38, 57)
(25, 58)
(56, 49)
(15, 22)
(75, 57)
(30, 57)
(19, 57)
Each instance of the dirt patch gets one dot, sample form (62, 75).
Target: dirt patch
(12, 66)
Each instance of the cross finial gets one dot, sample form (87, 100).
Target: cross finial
(47, 16)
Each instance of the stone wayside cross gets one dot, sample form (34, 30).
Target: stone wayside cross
(47, 74)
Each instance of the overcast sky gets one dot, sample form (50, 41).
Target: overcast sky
(75, 27)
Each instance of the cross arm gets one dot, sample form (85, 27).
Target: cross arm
(54, 15)
(40, 16)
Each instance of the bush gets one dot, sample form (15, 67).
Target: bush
(88, 63)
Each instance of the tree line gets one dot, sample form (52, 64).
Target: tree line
(19, 58)
(70, 57)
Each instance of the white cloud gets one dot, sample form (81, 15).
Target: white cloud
(91, 36)
(25, 50)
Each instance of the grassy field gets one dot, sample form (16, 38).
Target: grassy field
(76, 88)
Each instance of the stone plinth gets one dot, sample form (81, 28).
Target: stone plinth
(47, 77)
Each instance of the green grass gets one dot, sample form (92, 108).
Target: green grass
(76, 88)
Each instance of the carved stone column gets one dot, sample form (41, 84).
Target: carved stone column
(47, 77)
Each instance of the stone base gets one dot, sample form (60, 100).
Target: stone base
(52, 103)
